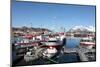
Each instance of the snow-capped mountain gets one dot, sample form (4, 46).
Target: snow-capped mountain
(91, 28)
(82, 28)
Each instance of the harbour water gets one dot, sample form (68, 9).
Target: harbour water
(72, 42)
(69, 58)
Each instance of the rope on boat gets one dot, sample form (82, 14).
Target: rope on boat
(52, 61)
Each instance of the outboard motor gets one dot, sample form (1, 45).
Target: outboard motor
(64, 42)
(63, 39)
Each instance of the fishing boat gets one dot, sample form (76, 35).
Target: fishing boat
(53, 45)
(87, 42)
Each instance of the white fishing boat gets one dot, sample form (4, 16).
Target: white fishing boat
(87, 42)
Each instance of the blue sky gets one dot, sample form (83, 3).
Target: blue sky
(51, 16)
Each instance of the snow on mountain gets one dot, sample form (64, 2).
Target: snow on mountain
(83, 28)
(91, 28)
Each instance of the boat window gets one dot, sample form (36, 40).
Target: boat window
(86, 40)
(52, 41)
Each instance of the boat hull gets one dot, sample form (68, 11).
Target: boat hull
(87, 45)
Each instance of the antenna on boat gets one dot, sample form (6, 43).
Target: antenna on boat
(31, 24)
